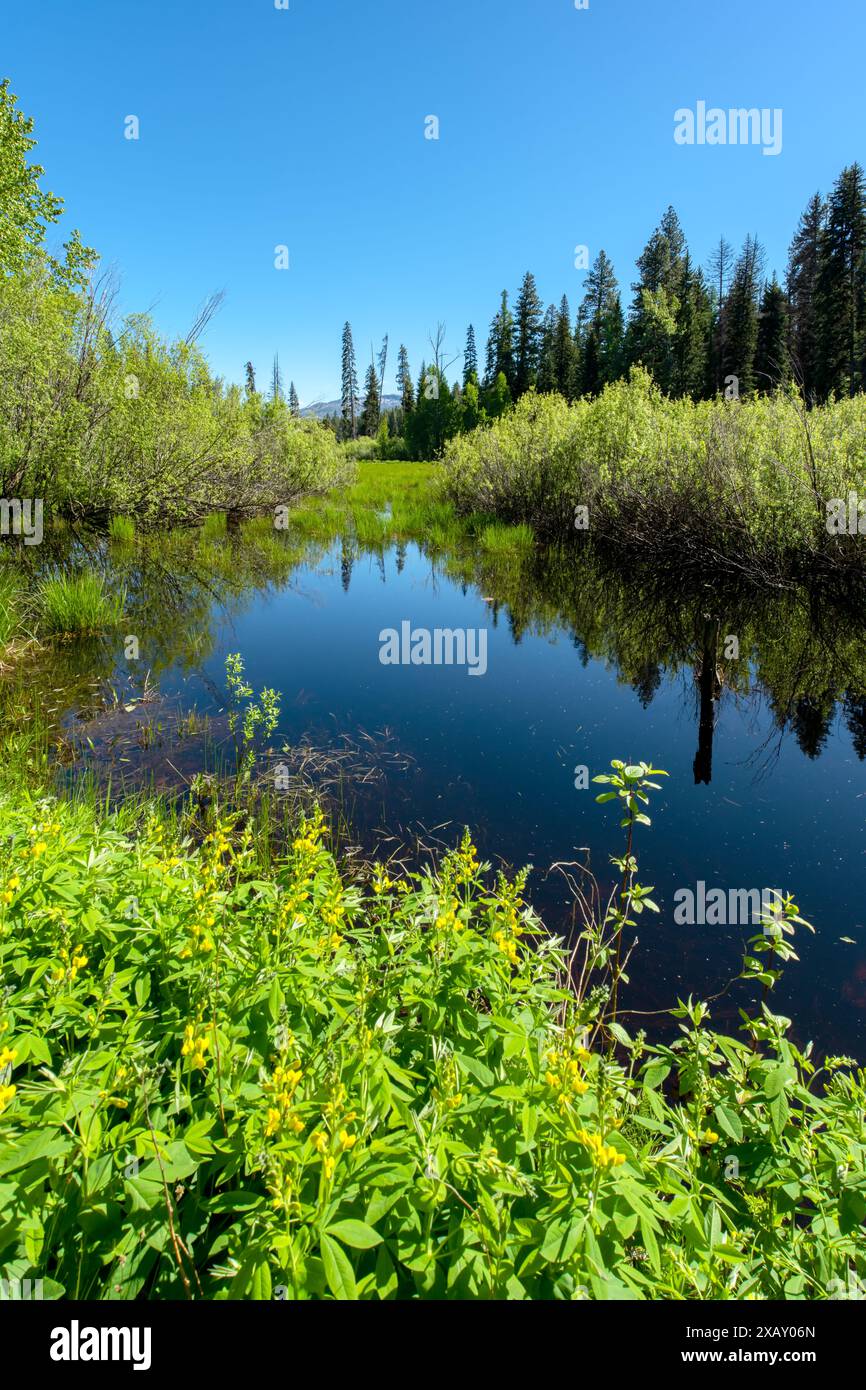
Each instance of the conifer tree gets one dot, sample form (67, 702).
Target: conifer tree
(294, 403)
(528, 329)
(841, 290)
(349, 398)
(802, 285)
(564, 353)
(276, 380)
(250, 373)
(500, 346)
(370, 410)
(741, 318)
(470, 358)
(601, 313)
(771, 353)
(404, 382)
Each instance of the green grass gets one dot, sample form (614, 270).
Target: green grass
(497, 538)
(78, 603)
(213, 527)
(121, 529)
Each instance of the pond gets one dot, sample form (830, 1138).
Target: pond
(755, 709)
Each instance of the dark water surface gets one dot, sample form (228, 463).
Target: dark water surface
(767, 785)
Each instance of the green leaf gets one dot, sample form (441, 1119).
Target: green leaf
(338, 1271)
(355, 1233)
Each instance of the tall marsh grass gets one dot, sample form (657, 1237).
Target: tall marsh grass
(77, 603)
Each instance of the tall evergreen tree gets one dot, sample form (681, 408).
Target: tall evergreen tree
(500, 346)
(693, 327)
(841, 290)
(250, 373)
(802, 284)
(564, 351)
(276, 380)
(527, 315)
(546, 379)
(658, 296)
(601, 313)
(740, 327)
(720, 269)
(370, 410)
(470, 358)
(294, 403)
(404, 382)
(772, 366)
(349, 397)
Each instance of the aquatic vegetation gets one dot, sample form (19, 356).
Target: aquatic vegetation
(219, 1081)
(121, 529)
(76, 603)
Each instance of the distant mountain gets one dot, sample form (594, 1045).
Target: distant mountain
(322, 408)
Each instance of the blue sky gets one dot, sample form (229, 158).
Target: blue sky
(304, 127)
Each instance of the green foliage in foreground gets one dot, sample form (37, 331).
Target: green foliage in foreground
(214, 1084)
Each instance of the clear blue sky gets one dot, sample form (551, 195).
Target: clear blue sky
(306, 127)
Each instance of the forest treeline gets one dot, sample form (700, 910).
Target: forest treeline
(726, 328)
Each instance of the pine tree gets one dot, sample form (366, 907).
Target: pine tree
(721, 265)
(527, 315)
(349, 400)
(802, 284)
(294, 403)
(500, 346)
(370, 411)
(250, 379)
(691, 344)
(601, 313)
(404, 383)
(772, 366)
(470, 358)
(276, 380)
(740, 327)
(658, 296)
(564, 351)
(546, 378)
(841, 290)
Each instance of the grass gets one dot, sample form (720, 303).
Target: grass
(78, 603)
(121, 529)
(213, 527)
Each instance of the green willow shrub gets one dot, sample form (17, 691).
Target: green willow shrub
(216, 1083)
(743, 480)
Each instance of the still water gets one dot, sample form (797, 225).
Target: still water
(764, 749)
